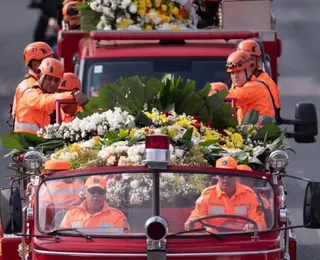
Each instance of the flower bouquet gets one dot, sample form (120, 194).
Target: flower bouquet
(136, 14)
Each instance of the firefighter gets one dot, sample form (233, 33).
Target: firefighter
(94, 212)
(227, 197)
(71, 16)
(33, 54)
(217, 86)
(39, 101)
(250, 94)
(252, 47)
(70, 82)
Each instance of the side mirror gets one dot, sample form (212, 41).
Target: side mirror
(311, 207)
(11, 210)
(306, 132)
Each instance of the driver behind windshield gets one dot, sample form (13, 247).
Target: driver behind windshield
(94, 212)
(227, 197)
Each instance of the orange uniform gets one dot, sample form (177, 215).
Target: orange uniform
(253, 96)
(106, 218)
(213, 201)
(28, 81)
(62, 193)
(34, 109)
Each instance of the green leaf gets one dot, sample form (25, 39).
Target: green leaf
(268, 131)
(208, 143)
(188, 134)
(251, 118)
(187, 143)
(111, 135)
(12, 152)
(142, 120)
(123, 134)
(11, 142)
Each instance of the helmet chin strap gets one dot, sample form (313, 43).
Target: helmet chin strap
(247, 77)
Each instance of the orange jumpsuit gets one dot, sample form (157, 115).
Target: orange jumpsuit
(28, 81)
(106, 218)
(213, 201)
(274, 89)
(61, 193)
(253, 96)
(34, 109)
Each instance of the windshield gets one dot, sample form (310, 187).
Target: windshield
(202, 70)
(121, 204)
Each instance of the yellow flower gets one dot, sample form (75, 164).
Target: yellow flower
(164, 7)
(96, 139)
(142, 12)
(237, 140)
(132, 131)
(183, 123)
(158, 3)
(124, 23)
(175, 10)
(175, 27)
(164, 18)
(75, 148)
(148, 27)
(163, 118)
(228, 132)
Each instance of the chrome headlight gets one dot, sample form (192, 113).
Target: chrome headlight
(278, 160)
(33, 161)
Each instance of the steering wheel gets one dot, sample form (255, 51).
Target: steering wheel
(219, 228)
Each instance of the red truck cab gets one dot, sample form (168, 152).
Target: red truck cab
(198, 55)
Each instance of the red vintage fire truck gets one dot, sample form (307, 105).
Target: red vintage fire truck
(104, 56)
(157, 227)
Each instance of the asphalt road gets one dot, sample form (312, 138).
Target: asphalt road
(298, 24)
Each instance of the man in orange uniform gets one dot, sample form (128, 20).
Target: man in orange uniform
(228, 197)
(33, 54)
(70, 82)
(217, 86)
(250, 94)
(36, 104)
(252, 47)
(94, 212)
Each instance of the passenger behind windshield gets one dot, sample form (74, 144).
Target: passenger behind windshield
(94, 212)
(227, 197)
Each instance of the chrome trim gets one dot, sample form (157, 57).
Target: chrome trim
(145, 255)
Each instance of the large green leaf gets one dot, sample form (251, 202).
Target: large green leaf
(251, 118)
(268, 131)
(12, 142)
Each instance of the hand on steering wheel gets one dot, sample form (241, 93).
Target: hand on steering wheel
(252, 225)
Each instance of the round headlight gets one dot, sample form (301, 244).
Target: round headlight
(278, 160)
(33, 161)
(156, 228)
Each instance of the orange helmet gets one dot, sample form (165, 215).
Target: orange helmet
(70, 14)
(51, 67)
(250, 46)
(239, 60)
(36, 51)
(244, 167)
(217, 86)
(70, 82)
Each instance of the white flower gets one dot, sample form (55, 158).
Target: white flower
(133, 9)
(134, 184)
(179, 153)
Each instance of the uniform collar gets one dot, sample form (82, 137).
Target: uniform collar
(239, 190)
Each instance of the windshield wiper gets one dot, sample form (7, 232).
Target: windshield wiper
(56, 232)
(197, 230)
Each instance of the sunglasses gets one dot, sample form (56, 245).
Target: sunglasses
(98, 191)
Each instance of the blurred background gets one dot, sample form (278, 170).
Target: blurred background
(298, 25)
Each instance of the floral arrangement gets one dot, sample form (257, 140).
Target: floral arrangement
(118, 142)
(136, 14)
